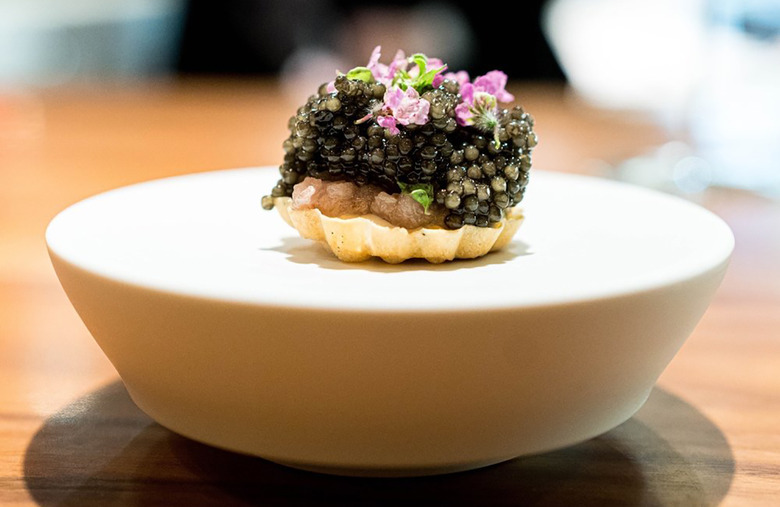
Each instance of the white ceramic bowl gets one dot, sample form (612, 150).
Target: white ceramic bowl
(229, 329)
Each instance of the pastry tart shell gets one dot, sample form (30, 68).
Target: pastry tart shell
(358, 238)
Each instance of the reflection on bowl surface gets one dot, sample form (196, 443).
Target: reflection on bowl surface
(227, 330)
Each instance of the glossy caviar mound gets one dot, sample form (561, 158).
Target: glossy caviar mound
(411, 127)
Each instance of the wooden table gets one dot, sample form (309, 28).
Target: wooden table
(69, 434)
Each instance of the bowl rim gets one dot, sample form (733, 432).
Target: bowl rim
(716, 261)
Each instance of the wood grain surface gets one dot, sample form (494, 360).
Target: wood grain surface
(70, 435)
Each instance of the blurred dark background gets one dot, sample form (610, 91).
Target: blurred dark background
(247, 37)
(692, 66)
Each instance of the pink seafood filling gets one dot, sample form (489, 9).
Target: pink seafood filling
(343, 198)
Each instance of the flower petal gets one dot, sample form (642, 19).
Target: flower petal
(407, 106)
(388, 122)
(461, 77)
(439, 76)
(376, 54)
(381, 72)
(463, 114)
(467, 92)
(399, 63)
(494, 83)
(435, 62)
(393, 97)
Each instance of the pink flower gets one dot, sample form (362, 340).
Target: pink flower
(407, 107)
(385, 73)
(494, 83)
(373, 60)
(399, 62)
(465, 110)
(435, 62)
(480, 109)
(461, 77)
(481, 97)
(463, 113)
(467, 93)
(388, 122)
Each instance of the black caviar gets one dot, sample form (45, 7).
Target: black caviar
(475, 175)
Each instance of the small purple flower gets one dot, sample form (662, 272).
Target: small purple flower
(480, 99)
(480, 110)
(407, 106)
(467, 93)
(388, 122)
(494, 83)
(373, 60)
(405, 78)
(463, 114)
(465, 111)
(399, 63)
(461, 77)
(435, 62)
(385, 73)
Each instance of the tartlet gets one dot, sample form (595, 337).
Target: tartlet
(406, 160)
(356, 239)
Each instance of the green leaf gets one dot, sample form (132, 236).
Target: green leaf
(420, 60)
(420, 192)
(402, 79)
(424, 79)
(423, 197)
(361, 74)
